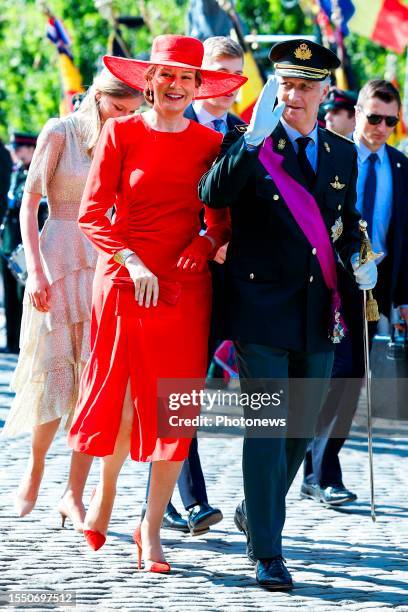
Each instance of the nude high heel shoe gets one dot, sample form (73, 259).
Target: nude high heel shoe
(63, 510)
(157, 567)
(23, 506)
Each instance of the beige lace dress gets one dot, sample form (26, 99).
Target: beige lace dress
(54, 346)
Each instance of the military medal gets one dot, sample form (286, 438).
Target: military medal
(337, 229)
(338, 331)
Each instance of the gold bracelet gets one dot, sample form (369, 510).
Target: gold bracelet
(121, 256)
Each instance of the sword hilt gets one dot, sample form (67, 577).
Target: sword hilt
(367, 254)
(366, 251)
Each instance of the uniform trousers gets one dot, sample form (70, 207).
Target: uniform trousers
(271, 458)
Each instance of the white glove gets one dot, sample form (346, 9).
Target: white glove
(366, 275)
(264, 117)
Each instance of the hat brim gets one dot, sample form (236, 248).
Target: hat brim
(214, 84)
(337, 106)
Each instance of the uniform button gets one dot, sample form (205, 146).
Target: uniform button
(311, 279)
(314, 251)
(276, 197)
(252, 276)
(339, 207)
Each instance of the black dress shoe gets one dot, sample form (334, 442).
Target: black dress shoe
(310, 491)
(335, 496)
(241, 523)
(331, 496)
(172, 519)
(273, 575)
(10, 350)
(201, 517)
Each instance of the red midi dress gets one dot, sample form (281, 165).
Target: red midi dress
(151, 178)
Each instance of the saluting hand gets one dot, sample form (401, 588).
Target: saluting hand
(264, 117)
(146, 283)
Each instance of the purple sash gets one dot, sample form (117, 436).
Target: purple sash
(307, 215)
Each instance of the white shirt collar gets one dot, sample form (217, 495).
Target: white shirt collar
(203, 116)
(293, 134)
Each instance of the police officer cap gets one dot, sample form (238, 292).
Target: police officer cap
(303, 59)
(340, 99)
(23, 139)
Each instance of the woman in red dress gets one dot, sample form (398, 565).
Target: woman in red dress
(152, 290)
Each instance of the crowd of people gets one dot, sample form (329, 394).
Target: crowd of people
(170, 228)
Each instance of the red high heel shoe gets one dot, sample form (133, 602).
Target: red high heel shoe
(158, 567)
(94, 539)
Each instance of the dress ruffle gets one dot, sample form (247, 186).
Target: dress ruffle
(54, 349)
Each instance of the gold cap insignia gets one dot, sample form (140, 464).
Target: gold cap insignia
(337, 229)
(281, 144)
(303, 52)
(337, 184)
(327, 147)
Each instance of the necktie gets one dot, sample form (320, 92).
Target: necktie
(370, 187)
(219, 125)
(304, 163)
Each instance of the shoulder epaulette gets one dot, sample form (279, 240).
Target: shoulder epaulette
(241, 128)
(340, 136)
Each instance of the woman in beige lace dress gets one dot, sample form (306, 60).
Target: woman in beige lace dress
(55, 331)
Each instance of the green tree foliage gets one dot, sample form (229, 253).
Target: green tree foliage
(30, 89)
(29, 78)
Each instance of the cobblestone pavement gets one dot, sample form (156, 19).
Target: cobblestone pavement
(339, 559)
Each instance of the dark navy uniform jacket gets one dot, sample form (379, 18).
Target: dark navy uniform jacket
(276, 294)
(392, 288)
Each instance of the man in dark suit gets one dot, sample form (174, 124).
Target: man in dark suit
(292, 199)
(223, 54)
(381, 199)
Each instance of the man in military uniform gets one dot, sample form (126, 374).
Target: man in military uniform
(340, 114)
(291, 188)
(24, 146)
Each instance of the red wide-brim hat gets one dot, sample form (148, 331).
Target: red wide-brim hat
(178, 52)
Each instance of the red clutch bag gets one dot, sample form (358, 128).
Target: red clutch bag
(169, 291)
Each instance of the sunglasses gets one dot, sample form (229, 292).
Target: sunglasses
(390, 120)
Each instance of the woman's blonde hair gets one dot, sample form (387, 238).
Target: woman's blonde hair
(149, 74)
(104, 83)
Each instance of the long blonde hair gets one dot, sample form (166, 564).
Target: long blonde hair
(104, 83)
